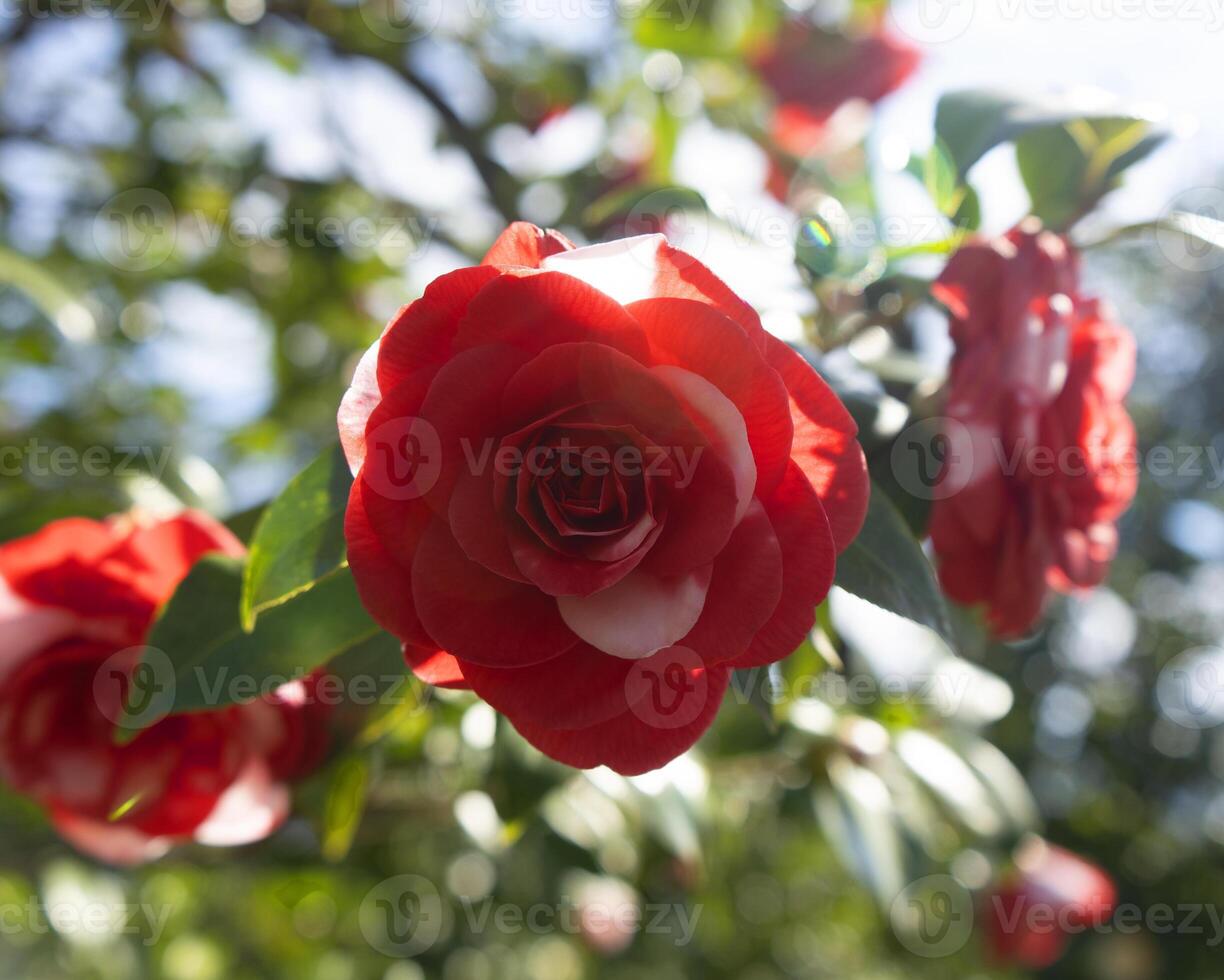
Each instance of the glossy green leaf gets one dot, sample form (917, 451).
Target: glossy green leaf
(969, 124)
(216, 663)
(299, 538)
(886, 566)
(345, 804)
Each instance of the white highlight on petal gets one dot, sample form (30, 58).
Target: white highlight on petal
(358, 402)
(729, 430)
(248, 811)
(626, 269)
(113, 843)
(26, 628)
(640, 614)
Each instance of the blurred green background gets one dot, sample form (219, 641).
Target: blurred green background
(208, 211)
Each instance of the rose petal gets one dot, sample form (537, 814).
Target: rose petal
(421, 336)
(639, 615)
(478, 616)
(581, 687)
(537, 310)
(116, 844)
(809, 558)
(436, 667)
(25, 628)
(384, 584)
(645, 267)
(699, 338)
(824, 447)
(630, 743)
(359, 401)
(744, 591)
(725, 426)
(523, 244)
(251, 809)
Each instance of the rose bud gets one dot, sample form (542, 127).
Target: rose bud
(76, 602)
(1040, 450)
(589, 486)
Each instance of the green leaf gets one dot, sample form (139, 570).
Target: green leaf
(940, 179)
(1068, 169)
(53, 299)
(753, 686)
(859, 819)
(300, 537)
(216, 663)
(644, 202)
(345, 804)
(886, 566)
(1053, 166)
(703, 27)
(971, 123)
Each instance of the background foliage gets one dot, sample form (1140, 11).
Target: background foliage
(209, 211)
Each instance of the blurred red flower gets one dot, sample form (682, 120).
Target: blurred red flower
(589, 485)
(812, 73)
(1052, 896)
(76, 600)
(1041, 450)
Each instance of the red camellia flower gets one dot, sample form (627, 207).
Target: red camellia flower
(76, 600)
(812, 73)
(1053, 895)
(1041, 449)
(589, 485)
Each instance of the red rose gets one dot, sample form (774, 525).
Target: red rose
(1042, 449)
(76, 600)
(589, 485)
(812, 73)
(1052, 896)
